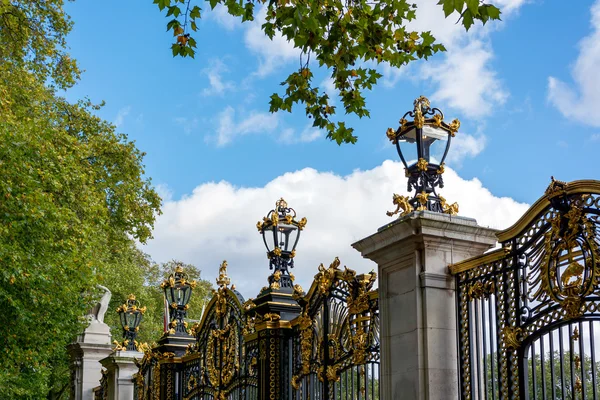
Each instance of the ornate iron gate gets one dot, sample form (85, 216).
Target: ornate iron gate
(284, 344)
(335, 348)
(529, 312)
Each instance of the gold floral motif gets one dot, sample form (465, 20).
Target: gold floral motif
(302, 223)
(454, 126)
(332, 373)
(401, 202)
(437, 120)
(575, 336)
(402, 123)
(391, 135)
(277, 251)
(451, 209)
(325, 277)
(120, 346)
(480, 290)
(578, 386)
(422, 164)
(298, 292)
(512, 337)
(275, 285)
(249, 304)
(422, 198)
(556, 188)
(419, 119)
(441, 169)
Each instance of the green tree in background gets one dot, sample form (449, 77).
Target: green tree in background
(147, 289)
(347, 37)
(74, 200)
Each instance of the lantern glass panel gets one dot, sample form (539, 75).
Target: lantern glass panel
(434, 141)
(169, 294)
(123, 318)
(287, 236)
(179, 296)
(269, 236)
(132, 320)
(408, 147)
(187, 293)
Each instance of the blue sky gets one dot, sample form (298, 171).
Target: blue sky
(525, 92)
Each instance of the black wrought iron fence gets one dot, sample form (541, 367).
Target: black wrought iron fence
(283, 345)
(529, 312)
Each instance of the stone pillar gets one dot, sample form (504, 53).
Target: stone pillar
(86, 353)
(121, 367)
(417, 300)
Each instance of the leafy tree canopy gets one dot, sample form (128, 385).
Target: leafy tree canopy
(74, 198)
(348, 37)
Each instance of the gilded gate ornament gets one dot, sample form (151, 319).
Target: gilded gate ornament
(401, 202)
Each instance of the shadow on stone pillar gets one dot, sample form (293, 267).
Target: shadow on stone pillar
(417, 300)
(86, 353)
(120, 367)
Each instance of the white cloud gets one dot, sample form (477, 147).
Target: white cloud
(582, 101)
(217, 220)
(465, 145)
(466, 82)
(271, 53)
(121, 114)
(214, 72)
(463, 77)
(308, 134)
(255, 122)
(595, 137)
(222, 16)
(188, 124)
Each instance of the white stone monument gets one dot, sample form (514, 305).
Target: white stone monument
(419, 358)
(91, 346)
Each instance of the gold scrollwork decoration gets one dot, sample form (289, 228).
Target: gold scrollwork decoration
(512, 337)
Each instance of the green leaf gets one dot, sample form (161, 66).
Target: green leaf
(473, 6)
(195, 12)
(467, 19)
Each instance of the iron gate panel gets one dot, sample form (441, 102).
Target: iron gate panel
(335, 351)
(527, 312)
(244, 350)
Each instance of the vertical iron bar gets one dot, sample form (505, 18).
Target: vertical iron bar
(593, 351)
(582, 359)
(491, 322)
(562, 366)
(543, 369)
(533, 371)
(477, 359)
(552, 377)
(571, 362)
(484, 336)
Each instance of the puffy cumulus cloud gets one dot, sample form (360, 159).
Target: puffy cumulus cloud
(464, 77)
(467, 82)
(581, 101)
(465, 145)
(217, 220)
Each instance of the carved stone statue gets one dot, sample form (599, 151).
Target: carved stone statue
(97, 312)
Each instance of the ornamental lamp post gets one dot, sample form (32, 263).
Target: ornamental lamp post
(281, 232)
(423, 145)
(178, 290)
(130, 315)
